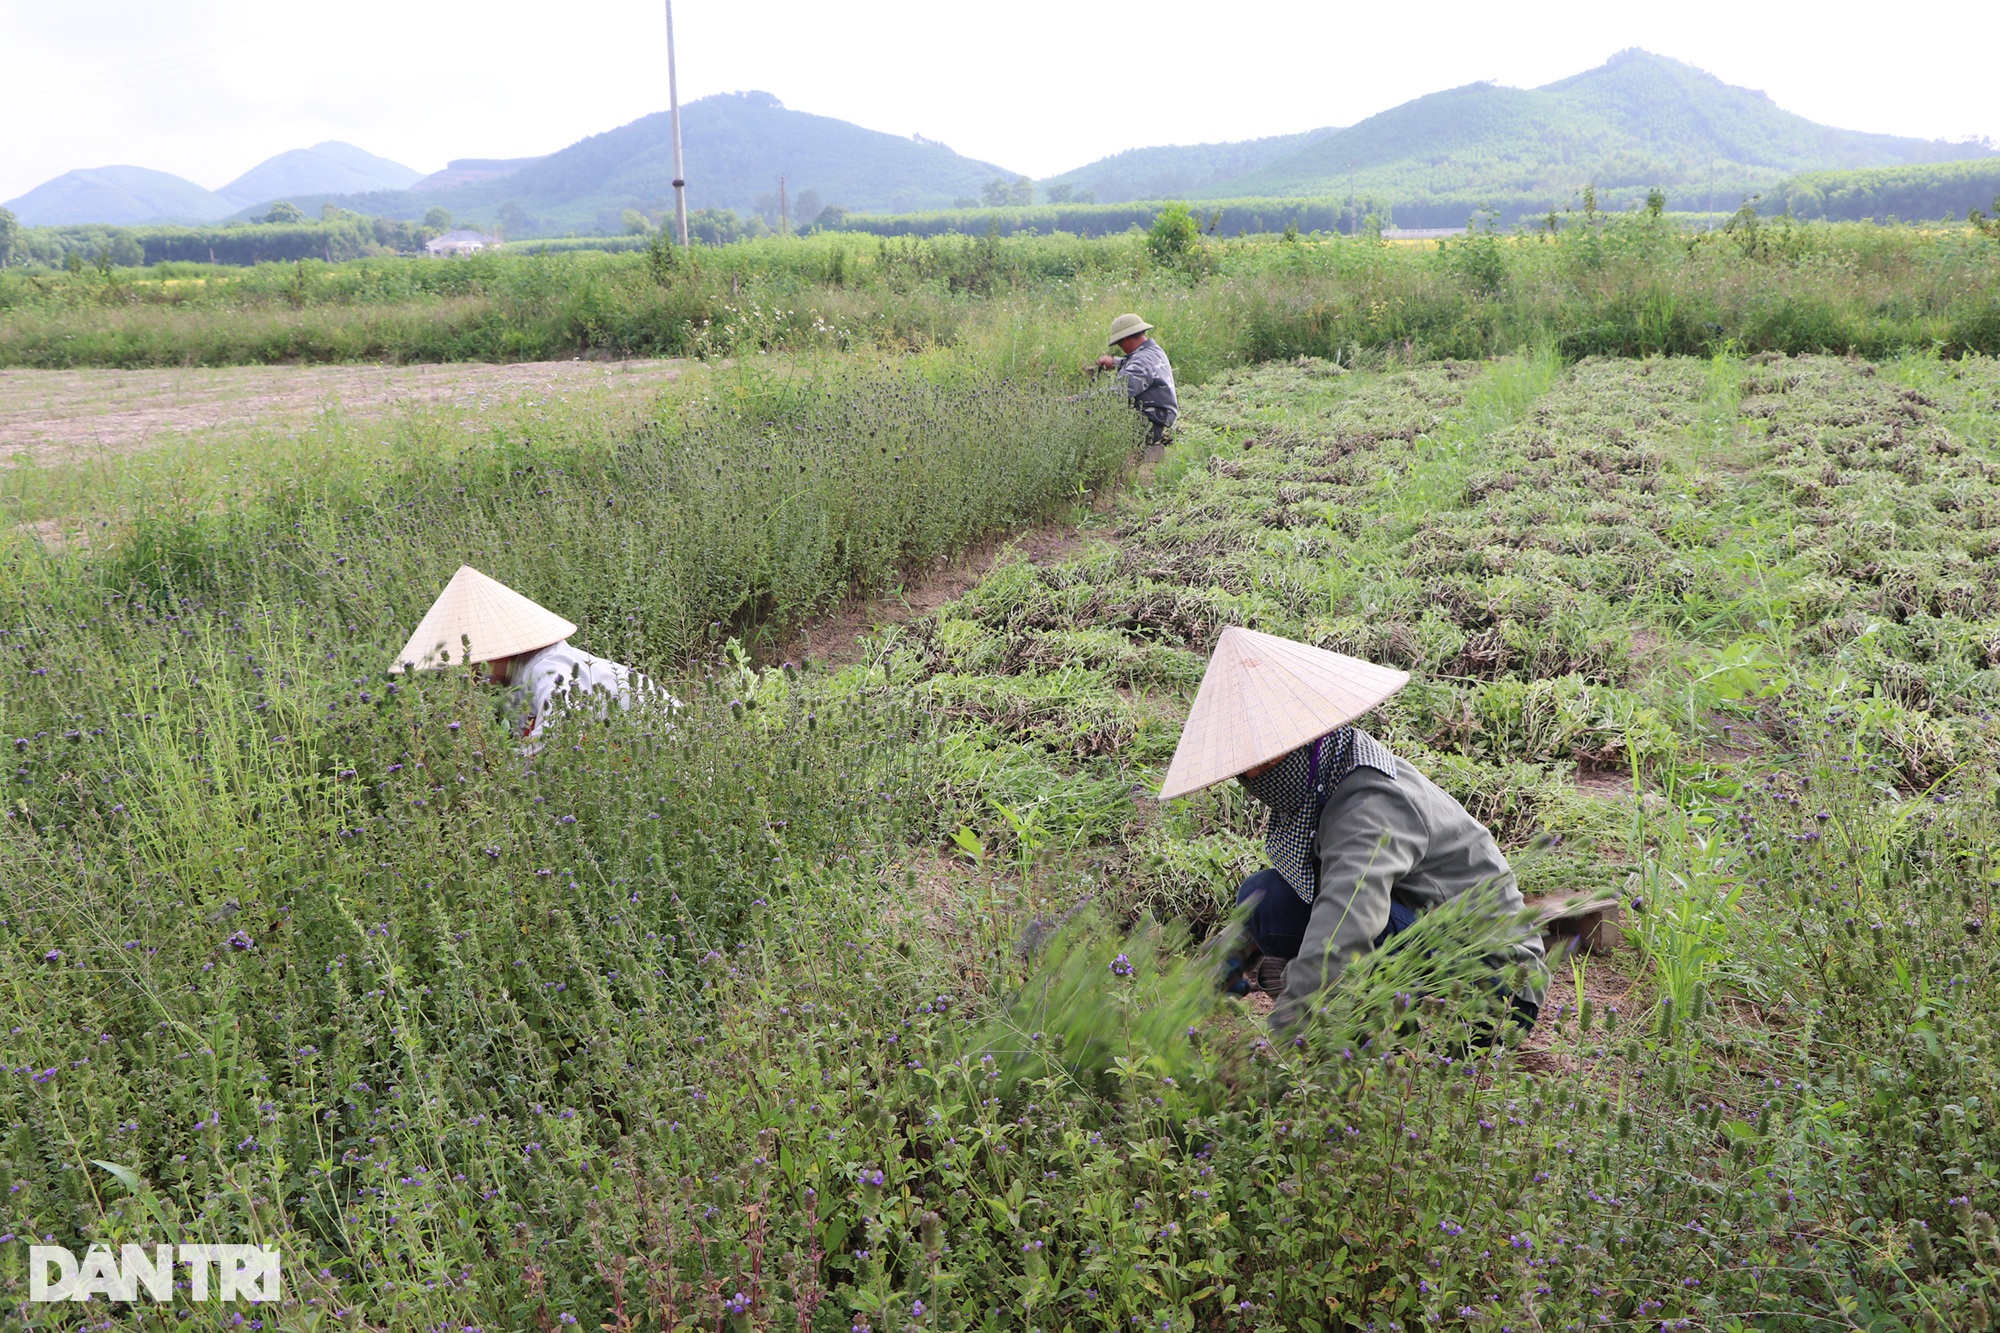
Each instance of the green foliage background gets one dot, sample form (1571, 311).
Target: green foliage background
(1599, 283)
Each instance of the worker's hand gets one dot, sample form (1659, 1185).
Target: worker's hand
(1107, 363)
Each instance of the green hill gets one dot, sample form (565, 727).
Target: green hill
(736, 146)
(1637, 121)
(1174, 170)
(325, 168)
(117, 196)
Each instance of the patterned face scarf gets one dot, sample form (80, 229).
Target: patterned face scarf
(1296, 791)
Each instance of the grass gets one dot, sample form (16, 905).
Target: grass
(1601, 286)
(104, 447)
(872, 997)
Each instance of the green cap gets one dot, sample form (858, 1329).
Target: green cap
(1125, 326)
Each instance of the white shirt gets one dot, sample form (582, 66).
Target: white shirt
(559, 676)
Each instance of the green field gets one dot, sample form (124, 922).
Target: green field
(796, 1008)
(1601, 284)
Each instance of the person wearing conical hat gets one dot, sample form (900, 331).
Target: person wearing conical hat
(1148, 376)
(526, 647)
(1361, 843)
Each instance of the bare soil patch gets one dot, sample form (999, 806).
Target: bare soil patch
(60, 414)
(838, 640)
(1606, 784)
(1607, 984)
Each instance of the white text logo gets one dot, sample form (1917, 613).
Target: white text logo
(240, 1272)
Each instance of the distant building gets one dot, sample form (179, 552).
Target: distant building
(460, 243)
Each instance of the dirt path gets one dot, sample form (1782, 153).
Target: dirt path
(838, 640)
(57, 415)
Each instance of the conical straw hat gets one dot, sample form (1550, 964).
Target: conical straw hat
(1263, 697)
(499, 622)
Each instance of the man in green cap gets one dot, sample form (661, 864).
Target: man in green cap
(1148, 376)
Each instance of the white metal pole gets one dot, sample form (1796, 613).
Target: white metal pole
(674, 112)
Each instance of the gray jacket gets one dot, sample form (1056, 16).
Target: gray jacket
(1401, 838)
(1149, 379)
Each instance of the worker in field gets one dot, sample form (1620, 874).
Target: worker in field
(1361, 844)
(1148, 376)
(525, 647)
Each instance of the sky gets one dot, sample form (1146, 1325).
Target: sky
(208, 88)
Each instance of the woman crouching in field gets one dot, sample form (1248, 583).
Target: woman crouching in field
(1361, 843)
(525, 646)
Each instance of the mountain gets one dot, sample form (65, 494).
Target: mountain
(1163, 173)
(118, 196)
(1636, 121)
(325, 168)
(127, 196)
(736, 146)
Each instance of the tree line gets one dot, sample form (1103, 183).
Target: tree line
(281, 235)
(1909, 193)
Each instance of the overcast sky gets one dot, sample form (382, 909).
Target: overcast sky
(208, 88)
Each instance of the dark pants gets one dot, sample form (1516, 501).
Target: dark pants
(1277, 928)
(1277, 924)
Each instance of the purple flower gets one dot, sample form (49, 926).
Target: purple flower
(241, 941)
(737, 1304)
(52, 955)
(1121, 966)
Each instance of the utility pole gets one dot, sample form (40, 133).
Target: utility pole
(674, 113)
